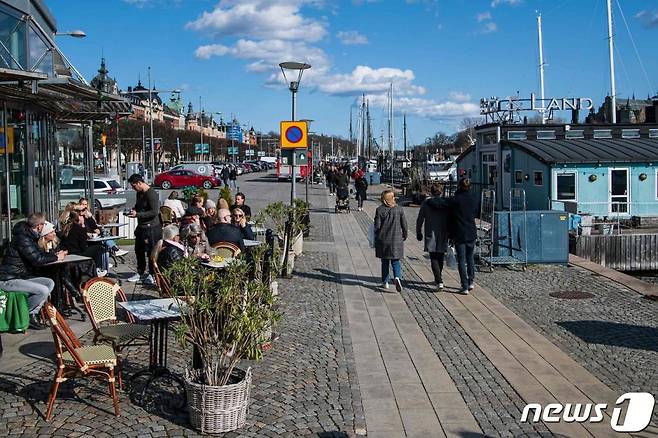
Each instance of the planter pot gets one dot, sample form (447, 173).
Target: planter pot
(218, 409)
(298, 244)
(291, 262)
(274, 288)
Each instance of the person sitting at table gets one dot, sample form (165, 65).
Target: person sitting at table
(240, 221)
(221, 203)
(197, 201)
(175, 204)
(193, 215)
(239, 203)
(92, 227)
(74, 239)
(171, 250)
(224, 231)
(22, 258)
(64, 217)
(193, 239)
(210, 218)
(72, 272)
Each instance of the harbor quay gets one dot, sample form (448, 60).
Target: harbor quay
(352, 359)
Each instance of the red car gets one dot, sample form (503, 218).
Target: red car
(184, 178)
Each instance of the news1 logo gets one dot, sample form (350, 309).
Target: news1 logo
(638, 412)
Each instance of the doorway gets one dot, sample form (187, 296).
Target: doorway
(618, 190)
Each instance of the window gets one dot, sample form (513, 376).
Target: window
(489, 138)
(539, 178)
(545, 135)
(653, 133)
(12, 35)
(99, 185)
(602, 133)
(574, 133)
(630, 133)
(517, 135)
(566, 186)
(518, 177)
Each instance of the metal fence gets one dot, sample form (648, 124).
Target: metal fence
(610, 217)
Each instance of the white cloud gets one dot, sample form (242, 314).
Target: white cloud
(429, 108)
(483, 16)
(495, 3)
(648, 18)
(372, 81)
(261, 19)
(351, 38)
(458, 96)
(489, 27)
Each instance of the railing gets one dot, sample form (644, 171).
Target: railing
(609, 217)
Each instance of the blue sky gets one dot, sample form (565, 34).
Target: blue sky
(441, 55)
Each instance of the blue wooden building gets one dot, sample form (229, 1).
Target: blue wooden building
(601, 170)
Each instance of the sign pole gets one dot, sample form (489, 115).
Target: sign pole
(294, 159)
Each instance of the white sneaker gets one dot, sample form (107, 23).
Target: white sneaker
(101, 272)
(471, 286)
(464, 291)
(120, 252)
(135, 278)
(398, 284)
(110, 265)
(385, 285)
(148, 280)
(441, 286)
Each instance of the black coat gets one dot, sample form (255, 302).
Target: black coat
(225, 233)
(433, 224)
(23, 254)
(76, 240)
(168, 255)
(463, 210)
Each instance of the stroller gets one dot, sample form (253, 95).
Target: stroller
(342, 200)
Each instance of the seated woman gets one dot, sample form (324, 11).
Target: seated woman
(239, 219)
(72, 274)
(93, 228)
(74, 239)
(210, 217)
(193, 239)
(171, 250)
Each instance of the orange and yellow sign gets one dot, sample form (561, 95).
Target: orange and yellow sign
(294, 135)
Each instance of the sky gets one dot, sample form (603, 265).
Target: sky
(441, 56)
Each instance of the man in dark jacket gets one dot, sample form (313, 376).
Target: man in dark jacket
(149, 230)
(23, 257)
(225, 175)
(172, 250)
(463, 210)
(224, 231)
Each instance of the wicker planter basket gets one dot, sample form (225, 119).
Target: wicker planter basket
(298, 244)
(218, 409)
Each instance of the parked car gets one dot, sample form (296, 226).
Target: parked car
(184, 178)
(74, 189)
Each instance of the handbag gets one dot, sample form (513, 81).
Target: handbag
(451, 259)
(371, 235)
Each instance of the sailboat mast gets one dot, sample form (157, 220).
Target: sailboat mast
(541, 69)
(611, 49)
(363, 126)
(369, 129)
(405, 135)
(351, 132)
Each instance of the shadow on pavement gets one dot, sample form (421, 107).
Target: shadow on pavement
(41, 351)
(614, 334)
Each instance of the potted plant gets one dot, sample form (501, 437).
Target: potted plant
(300, 225)
(226, 314)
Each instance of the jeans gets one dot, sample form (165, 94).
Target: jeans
(145, 240)
(360, 197)
(465, 263)
(436, 260)
(233, 184)
(38, 290)
(397, 269)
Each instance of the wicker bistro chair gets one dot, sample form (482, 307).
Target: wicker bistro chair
(74, 359)
(99, 296)
(226, 249)
(162, 284)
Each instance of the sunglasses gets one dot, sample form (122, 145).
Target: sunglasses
(238, 215)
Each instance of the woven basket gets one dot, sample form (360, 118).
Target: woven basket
(218, 409)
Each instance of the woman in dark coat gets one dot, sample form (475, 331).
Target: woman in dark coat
(390, 234)
(435, 221)
(74, 239)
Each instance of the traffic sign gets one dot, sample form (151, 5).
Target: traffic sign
(300, 157)
(294, 135)
(202, 148)
(249, 152)
(232, 150)
(261, 153)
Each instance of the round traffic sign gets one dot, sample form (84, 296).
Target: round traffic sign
(294, 134)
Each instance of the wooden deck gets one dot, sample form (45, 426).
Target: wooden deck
(623, 252)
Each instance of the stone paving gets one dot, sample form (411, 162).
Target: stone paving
(492, 401)
(614, 334)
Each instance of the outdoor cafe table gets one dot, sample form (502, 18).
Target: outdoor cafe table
(220, 265)
(58, 293)
(106, 249)
(158, 312)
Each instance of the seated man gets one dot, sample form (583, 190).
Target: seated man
(239, 203)
(224, 231)
(23, 257)
(172, 250)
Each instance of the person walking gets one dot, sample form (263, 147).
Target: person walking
(390, 234)
(433, 223)
(233, 177)
(149, 229)
(361, 186)
(226, 172)
(463, 209)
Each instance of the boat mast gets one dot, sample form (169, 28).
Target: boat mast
(611, 49)
(542, 111)
(369, 130)
(405, 135)
(363, 127)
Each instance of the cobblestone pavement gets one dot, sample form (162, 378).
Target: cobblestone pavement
(614, 334)
(492, 401)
